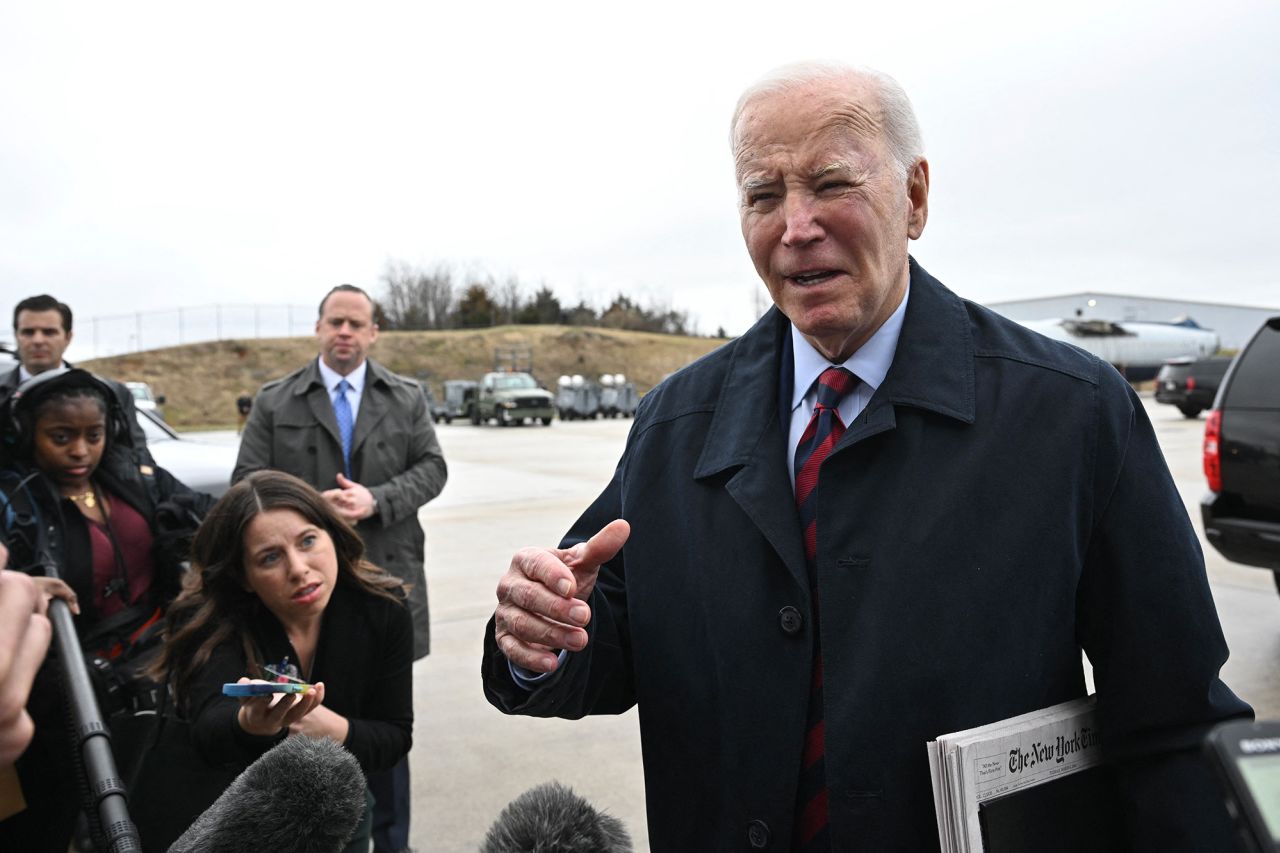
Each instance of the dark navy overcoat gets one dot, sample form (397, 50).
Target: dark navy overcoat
(1000, 505)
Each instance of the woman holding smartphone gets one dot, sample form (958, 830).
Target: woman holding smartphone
(280, 590)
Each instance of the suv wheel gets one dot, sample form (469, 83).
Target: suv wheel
(475, 416)
(1189, 411)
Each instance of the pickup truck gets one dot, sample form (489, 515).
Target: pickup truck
(509, 398)
(1241, 513)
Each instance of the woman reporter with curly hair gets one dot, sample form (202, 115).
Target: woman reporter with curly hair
(279, 581)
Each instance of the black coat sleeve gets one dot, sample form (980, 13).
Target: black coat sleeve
(1149, 626)
(599, 679)
(214, 727)
(381, 727)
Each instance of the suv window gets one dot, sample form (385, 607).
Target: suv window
(1256, 381)
(1173, 371)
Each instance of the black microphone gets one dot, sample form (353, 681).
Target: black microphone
(553, 819)
(304, 795)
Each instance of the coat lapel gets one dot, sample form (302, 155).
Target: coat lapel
(932, 367)
(373, 407)
(746, 434)
(311, 386)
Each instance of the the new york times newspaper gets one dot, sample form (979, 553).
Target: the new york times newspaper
(980, 764)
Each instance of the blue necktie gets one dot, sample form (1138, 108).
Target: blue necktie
(346, 424)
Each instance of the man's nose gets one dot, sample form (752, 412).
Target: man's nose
(800, 214)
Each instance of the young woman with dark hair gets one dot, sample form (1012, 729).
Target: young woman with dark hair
(280, 588)
(76, 504)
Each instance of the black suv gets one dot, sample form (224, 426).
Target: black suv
(1242, 456)
(1191, 384)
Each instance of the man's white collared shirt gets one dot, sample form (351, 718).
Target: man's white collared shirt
(870, 364)
(355, 379)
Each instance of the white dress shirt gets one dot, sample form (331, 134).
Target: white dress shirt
(355, 379)
(24, 374)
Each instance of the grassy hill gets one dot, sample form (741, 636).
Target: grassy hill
(201, 381)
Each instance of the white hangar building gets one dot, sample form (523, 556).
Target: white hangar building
(1235, 324)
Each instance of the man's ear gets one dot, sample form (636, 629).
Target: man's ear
(918, 198)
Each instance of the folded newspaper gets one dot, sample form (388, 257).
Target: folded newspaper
(977, 766)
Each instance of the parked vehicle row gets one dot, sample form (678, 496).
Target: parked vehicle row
(512, 397)
(612, 397)
(1241, 513)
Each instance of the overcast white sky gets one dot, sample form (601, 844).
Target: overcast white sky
(156, 155)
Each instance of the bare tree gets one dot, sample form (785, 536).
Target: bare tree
(439, 296)
(417, 299)
(507, 298)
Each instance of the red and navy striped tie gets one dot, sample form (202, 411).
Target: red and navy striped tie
(822, 433)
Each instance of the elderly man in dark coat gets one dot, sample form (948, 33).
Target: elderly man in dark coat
(971, 504)
(363, 436)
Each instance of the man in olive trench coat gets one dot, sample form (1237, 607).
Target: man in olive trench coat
(395, 464)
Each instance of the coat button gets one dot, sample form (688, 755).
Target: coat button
(758, 834)
(790, 620)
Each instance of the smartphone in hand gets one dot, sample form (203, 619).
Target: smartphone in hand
(259, 688)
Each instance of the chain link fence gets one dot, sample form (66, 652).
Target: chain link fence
(145, 330)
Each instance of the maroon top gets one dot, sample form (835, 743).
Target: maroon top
(133, 535)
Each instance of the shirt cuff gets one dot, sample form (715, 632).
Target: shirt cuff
(529, 680)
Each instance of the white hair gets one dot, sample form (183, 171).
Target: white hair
(898, 118)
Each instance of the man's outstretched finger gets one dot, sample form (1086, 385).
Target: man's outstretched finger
(599, 549)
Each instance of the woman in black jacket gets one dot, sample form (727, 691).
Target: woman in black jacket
(280, 590)
(97, 527)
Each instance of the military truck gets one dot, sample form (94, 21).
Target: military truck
(509, 397)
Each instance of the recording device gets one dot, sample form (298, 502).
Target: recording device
(258, 688)
(553, 819)
(101, 788)
(304, 795)
(104, 794)
(1247, 757)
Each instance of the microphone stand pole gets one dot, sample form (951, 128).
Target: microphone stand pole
(93, 740)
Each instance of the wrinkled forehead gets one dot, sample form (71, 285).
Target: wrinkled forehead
(843, 114)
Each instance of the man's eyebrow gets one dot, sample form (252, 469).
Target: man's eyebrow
(757, 181)
(837, 166)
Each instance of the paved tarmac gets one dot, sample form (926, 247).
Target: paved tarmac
(525, 486)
